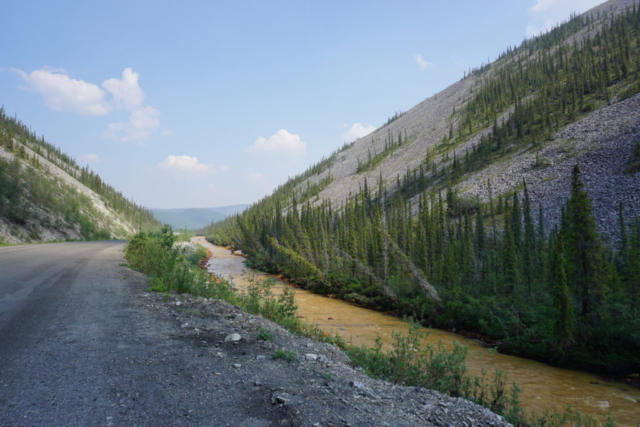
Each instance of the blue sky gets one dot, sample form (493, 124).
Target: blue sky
(211, 103)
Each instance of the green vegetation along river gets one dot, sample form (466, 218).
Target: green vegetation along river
(543, 387)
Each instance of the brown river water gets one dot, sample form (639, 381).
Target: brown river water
(543, 387)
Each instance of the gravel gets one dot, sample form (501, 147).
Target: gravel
(320, 387)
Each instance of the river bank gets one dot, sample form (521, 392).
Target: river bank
(282, 379)
(544, 387)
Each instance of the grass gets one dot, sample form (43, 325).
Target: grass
(264, 335)
(286, 355)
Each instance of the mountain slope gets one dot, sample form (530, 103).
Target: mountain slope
(422, 136)
(45, 195)
(507, 205)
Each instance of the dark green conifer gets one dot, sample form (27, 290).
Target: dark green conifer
(564, 322)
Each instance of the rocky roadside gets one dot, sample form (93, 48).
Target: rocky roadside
(316, 386)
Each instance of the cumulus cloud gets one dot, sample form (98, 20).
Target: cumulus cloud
(357, 131)
(545, 14)
(65, 94)
(89, 158)
(126, 92)
(62, 93)
(281, 141)
(423, 63)
(185, 164)
(143, 122)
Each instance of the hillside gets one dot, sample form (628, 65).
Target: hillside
(506, 205)
(432, 133)
(195, 218)
(46, 196)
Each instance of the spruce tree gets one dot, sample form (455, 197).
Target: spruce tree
(582, 244)
(564, 321)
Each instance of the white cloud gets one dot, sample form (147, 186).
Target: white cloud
(357, 131)
(224, 168)
(185, 164)
(423, 63)
(545, 14)
(89, 158)
(62, 93)
(142, 123)
(143, 119)
(126, 92)
(281, 141)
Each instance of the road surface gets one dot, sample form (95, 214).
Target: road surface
(77, 347)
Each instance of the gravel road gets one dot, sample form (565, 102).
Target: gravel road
(83, 344)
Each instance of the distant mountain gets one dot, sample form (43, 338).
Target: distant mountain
(45, 195)
(195, 218)
(230, 210)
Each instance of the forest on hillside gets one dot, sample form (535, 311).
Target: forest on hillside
(27, 189)
(495, 269)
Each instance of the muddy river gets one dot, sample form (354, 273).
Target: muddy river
(543, 387)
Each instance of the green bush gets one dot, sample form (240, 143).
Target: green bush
(154, 254)
(264, 335)
(288, 356)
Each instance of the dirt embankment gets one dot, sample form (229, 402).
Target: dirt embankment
(317, 386)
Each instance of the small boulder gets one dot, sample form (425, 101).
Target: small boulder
(232, 337)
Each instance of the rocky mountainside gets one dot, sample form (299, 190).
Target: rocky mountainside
(452, 212)
(46, 196)
(600, 140)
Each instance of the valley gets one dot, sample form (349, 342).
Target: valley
(504, 206)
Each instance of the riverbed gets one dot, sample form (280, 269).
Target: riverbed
(543, 387)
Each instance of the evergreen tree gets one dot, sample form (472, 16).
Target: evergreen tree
(583, 245)
(564, 322)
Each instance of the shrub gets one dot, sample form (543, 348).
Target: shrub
(264, 335)
(288, 356)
